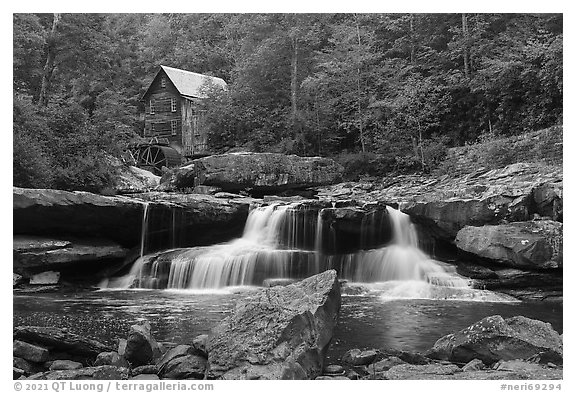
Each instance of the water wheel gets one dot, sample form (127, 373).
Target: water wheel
(154, 157)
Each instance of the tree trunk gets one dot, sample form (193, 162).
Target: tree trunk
(50, 63)
(294, 80)
(362, 141)
(318, 125)
(466, 50)
(421, 146)
(412, 41)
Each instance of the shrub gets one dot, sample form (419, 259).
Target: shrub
(357, 165)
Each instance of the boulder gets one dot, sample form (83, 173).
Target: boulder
(171, 354)
(141, 347)
(17, 279)
(45, 278)
(147, 370)
(185, 367)
(111, 359)
(525, 245)
(356, 357)
(199, 344)
(257, 172)
(334, 369)
(65, 365)
(131, 179)
(26, 366)
(277, 333)
(384, 364)
(406, 356)
(494, 338)
(30, 352)
(548, 200)
(473, 365)
(61, 340)
(94, 373)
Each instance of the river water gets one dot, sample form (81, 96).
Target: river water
(366, 321)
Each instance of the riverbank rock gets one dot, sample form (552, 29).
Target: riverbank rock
(65, 365)
(45, 278)
(93, 373)
(35, 254)
(256, 172)
(494, 338)
(111, 359)
(68, 345)
(65, 214)
(278, 333)
(532, 244)
(185, 367)
(444, 204)
(30, 352)
(131, 179)
(417, 372)
(141, 347)
(356, 357)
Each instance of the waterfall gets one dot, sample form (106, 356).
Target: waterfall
(290, 241)
(144, 229)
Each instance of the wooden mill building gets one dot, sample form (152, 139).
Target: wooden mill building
(172, 112)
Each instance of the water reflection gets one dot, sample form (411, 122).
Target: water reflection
(178, 316)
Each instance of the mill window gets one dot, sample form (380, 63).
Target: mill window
(163, 82)
(174, 126)
(173, 104)
(152, 127)
(152, 107)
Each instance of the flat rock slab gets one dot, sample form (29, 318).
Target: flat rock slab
(33, 252)
(61, 340)
(65, 365)
(57, 213)
(428, 371)
(95, 373)
(277, 333)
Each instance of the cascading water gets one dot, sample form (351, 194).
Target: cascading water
(289, 241)
(144, 229)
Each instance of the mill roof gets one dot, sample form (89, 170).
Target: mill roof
(189, 84)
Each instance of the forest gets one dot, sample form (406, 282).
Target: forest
(379, 93)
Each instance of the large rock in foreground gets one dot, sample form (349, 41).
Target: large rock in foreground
(279, 333)
(257, 172)
(494, 338)
(533, 244)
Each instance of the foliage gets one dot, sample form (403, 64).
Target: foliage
(60, 148)
(358, 165)
(392, 91)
